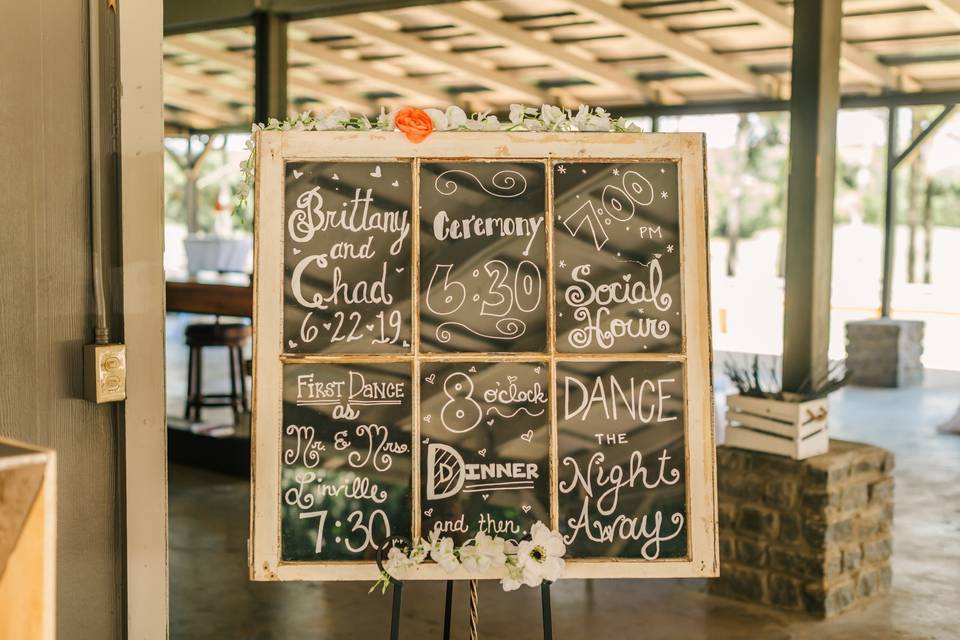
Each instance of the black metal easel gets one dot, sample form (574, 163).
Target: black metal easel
(397, 589)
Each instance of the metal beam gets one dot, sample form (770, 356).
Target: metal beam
(815, 87)
(895, 160)
(183, 75)
(475, 15)
(889, 214)
(297, 79)
(914, 147)
(413, 89)
(680, 48)
(949, 10)
(270, 66)
(857, 101)
(412, 44)
(776, 17)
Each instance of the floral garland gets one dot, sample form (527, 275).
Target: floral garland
(528, 562)
(418, 124)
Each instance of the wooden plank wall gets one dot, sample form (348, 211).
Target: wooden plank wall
(46, 304)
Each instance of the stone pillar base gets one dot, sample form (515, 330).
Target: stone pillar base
(805, 535)
(884, 352)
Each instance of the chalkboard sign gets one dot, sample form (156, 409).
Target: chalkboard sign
(477, 333)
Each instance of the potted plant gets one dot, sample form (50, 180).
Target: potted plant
(763, 417)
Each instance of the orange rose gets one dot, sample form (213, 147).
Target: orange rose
(414, 123)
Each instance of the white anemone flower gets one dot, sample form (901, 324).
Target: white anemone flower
(541, 557)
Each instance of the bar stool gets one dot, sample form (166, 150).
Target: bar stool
(233, 336)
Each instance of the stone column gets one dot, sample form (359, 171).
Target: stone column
(805, 535)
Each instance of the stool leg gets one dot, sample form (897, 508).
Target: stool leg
(243, 380)
(233, 380)
(198, 398)
(190, 376)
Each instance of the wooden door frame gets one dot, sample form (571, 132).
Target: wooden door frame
(143, 435)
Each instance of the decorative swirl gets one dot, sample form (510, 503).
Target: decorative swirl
(662, 330)
(497, 411)
(581, 337)
(505, 184)
(509, 329)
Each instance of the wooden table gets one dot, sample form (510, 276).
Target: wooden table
(223, 295)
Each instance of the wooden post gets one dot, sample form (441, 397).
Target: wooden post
(809, 248)
(270, 66)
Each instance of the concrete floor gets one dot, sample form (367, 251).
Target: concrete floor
(211, 597)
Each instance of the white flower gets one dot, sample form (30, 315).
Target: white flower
(456, 117)
(439, 119)
(541, 557)
(513, 577)
(517, 111)
(552, 116)
(419, 552)
(493, 549)
(398, 563)
(442, 552)
(532, 124)
(483, 553)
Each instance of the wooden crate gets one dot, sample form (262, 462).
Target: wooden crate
(796, 430)
(28, 491)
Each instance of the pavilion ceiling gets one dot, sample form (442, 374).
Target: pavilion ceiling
(486, 55)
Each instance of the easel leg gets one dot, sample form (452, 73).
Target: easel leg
(547, 616)
(448, 610)
(474, 614)
(395, 614)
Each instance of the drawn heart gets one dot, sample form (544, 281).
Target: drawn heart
(511, 378)
(528, 436)
(472, 369)
(426, 441)
(490, 422)
(399, 269)
(296, 251)
(376, 172)
(482, 453)
(335, 177)
(627, 277)
(297, 174)
(395, 183)
(430, 378)
(526, 508)
(292, 344)
(369, 327)
(428, 512)
(326, 325)
(427, 418)
(536, 370)
(485, 495)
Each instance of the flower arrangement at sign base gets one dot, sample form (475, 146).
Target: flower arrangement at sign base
(418, 124)
(529, 562)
